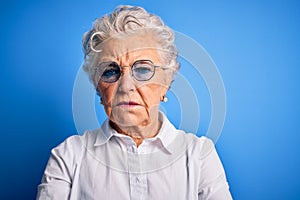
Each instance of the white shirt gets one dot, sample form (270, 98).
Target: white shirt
(103, 164)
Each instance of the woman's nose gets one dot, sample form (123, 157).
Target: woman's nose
(126, 82)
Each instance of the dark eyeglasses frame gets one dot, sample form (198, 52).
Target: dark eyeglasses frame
(120, 67)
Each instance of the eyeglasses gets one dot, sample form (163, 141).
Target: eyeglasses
(141, 70)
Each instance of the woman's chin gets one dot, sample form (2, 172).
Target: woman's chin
(127, 118)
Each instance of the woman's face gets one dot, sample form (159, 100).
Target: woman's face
(129, 102)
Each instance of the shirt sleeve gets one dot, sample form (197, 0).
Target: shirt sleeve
(57, 179)
(213, 184)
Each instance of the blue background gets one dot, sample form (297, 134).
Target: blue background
(255, 45)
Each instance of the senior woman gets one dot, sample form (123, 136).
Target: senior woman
(137, 153)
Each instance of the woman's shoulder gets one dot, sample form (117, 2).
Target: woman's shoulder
(201, 146)
(75, 143)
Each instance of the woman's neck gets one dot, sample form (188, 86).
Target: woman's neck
(139, 133)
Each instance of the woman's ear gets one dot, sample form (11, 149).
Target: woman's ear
(168, 78)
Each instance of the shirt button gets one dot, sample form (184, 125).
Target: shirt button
(137, 179)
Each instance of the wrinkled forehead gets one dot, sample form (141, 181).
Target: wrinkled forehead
(129, 45)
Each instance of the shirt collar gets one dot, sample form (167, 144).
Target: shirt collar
(104, 133)
(166, 134)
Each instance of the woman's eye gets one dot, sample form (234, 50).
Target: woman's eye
(110, 72)
(142, 70)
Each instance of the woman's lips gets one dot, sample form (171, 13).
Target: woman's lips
(128, 104)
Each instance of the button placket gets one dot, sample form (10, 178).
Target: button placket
(138, 182)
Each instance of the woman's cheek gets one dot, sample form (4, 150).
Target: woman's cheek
(152, 97)
(107, 93)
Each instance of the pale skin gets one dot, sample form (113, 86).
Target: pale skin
(133, 106)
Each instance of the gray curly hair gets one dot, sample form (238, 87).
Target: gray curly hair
(128, 19)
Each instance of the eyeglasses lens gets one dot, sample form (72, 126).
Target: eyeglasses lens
(142, 70)
(111, 72)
